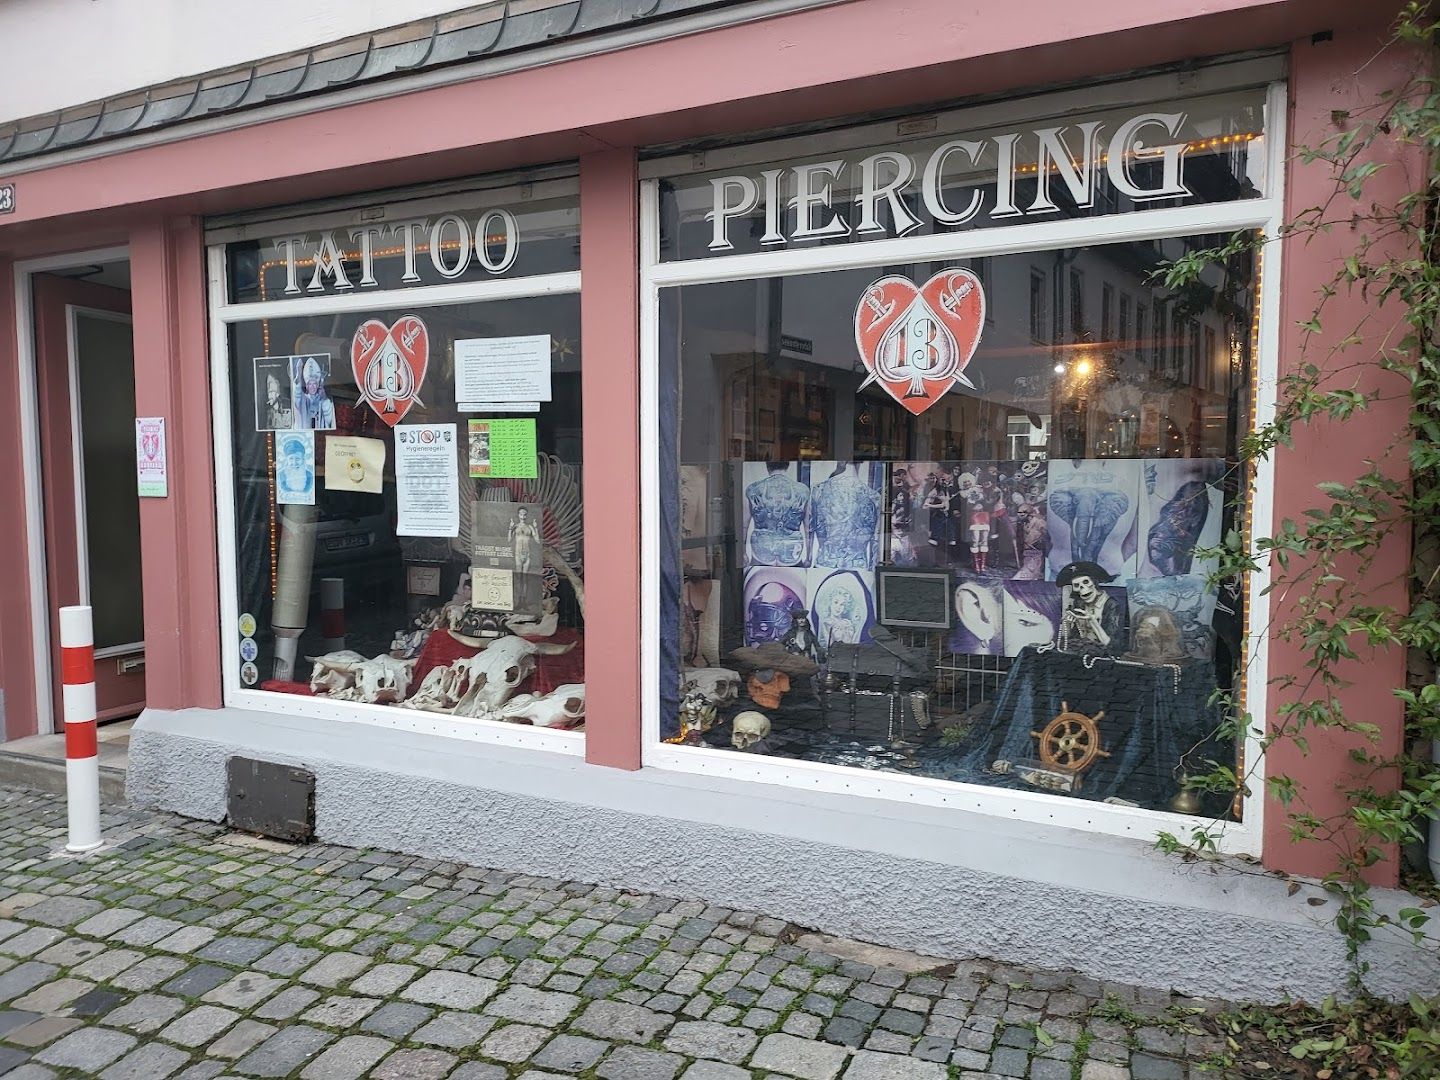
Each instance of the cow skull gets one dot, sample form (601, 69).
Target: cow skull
(717, 685)
(497, 672)
(563, 707)
(334, 671)
(440, 689)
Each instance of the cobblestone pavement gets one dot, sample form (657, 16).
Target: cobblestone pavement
(187, 951)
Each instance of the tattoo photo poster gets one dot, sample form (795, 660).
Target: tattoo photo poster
(427, 486)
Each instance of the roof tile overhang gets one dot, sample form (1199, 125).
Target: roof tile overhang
(465, 39)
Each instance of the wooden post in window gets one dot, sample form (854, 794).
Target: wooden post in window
(177, 532)
(610, 389)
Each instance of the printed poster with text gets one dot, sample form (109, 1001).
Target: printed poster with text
(427, 486)
(504, 449)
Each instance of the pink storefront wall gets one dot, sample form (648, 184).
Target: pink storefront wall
(836, 61)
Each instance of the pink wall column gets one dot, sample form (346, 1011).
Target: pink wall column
(1341, 74)
(610, 386)
(177, 534)
(17, 655)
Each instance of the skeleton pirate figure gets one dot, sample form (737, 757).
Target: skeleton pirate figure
(1093, 622)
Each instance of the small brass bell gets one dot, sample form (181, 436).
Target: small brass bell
(1187, 799)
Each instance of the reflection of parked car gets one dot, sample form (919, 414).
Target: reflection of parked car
(355, 540)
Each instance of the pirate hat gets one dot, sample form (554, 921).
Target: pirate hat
(1098, 573)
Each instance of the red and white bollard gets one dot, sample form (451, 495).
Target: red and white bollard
(332, 613)
(82, 761)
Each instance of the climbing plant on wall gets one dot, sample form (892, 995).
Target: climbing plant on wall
(1326, 590)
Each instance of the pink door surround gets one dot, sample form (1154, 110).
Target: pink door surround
(116, 694)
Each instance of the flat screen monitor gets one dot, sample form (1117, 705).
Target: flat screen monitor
(914, 599)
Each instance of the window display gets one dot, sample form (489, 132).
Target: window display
(407, 474)
(948, 517)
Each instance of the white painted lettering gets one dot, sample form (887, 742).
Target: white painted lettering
(1005, 177)
(329, 259)
(1054, 159)
(509, 230)
(773, 234)
(872, 191)
(1170, 156)
(932, 182)
(747, 195)
(288, 245)
(811, 196)
(366, 237)
(461, 244)
(407, 232)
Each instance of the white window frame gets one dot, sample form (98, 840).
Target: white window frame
(223, 314)
(1264, 215)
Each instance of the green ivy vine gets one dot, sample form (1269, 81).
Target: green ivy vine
(1327, 567)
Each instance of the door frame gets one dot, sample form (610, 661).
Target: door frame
(30, 463)
(82, 562)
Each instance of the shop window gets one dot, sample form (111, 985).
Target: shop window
(404, 464)
(1010, 589)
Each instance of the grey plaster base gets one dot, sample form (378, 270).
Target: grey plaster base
(937, 881)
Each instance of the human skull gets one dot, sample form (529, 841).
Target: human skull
(750, 728)
(498, 671)
(718, 685)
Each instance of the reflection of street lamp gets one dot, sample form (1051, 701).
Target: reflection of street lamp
(1082, 367)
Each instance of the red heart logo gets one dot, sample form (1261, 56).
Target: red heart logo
(389, 364)
(916, 343)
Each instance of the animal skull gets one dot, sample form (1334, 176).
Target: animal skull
(750, 728)
(563, 707)
(543, 625)
(440, 689)
(718, 685)
(497, 672)
(350, 677)
(333, 671)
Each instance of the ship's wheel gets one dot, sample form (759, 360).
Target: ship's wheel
(1071, 741)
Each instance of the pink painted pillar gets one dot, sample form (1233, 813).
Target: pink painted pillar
(1340, 74)
(177, 533)
(610, 386)
(17, 653)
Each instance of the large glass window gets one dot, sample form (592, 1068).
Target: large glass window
(949, 520)
(407, 474)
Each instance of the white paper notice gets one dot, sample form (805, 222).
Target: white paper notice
(427, 486)
(151, 472)
(502, 369)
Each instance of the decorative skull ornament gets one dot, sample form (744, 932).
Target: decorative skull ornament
(697, 716)
(718, 685)
(497, 672)
(563, 707)
(750, 728)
